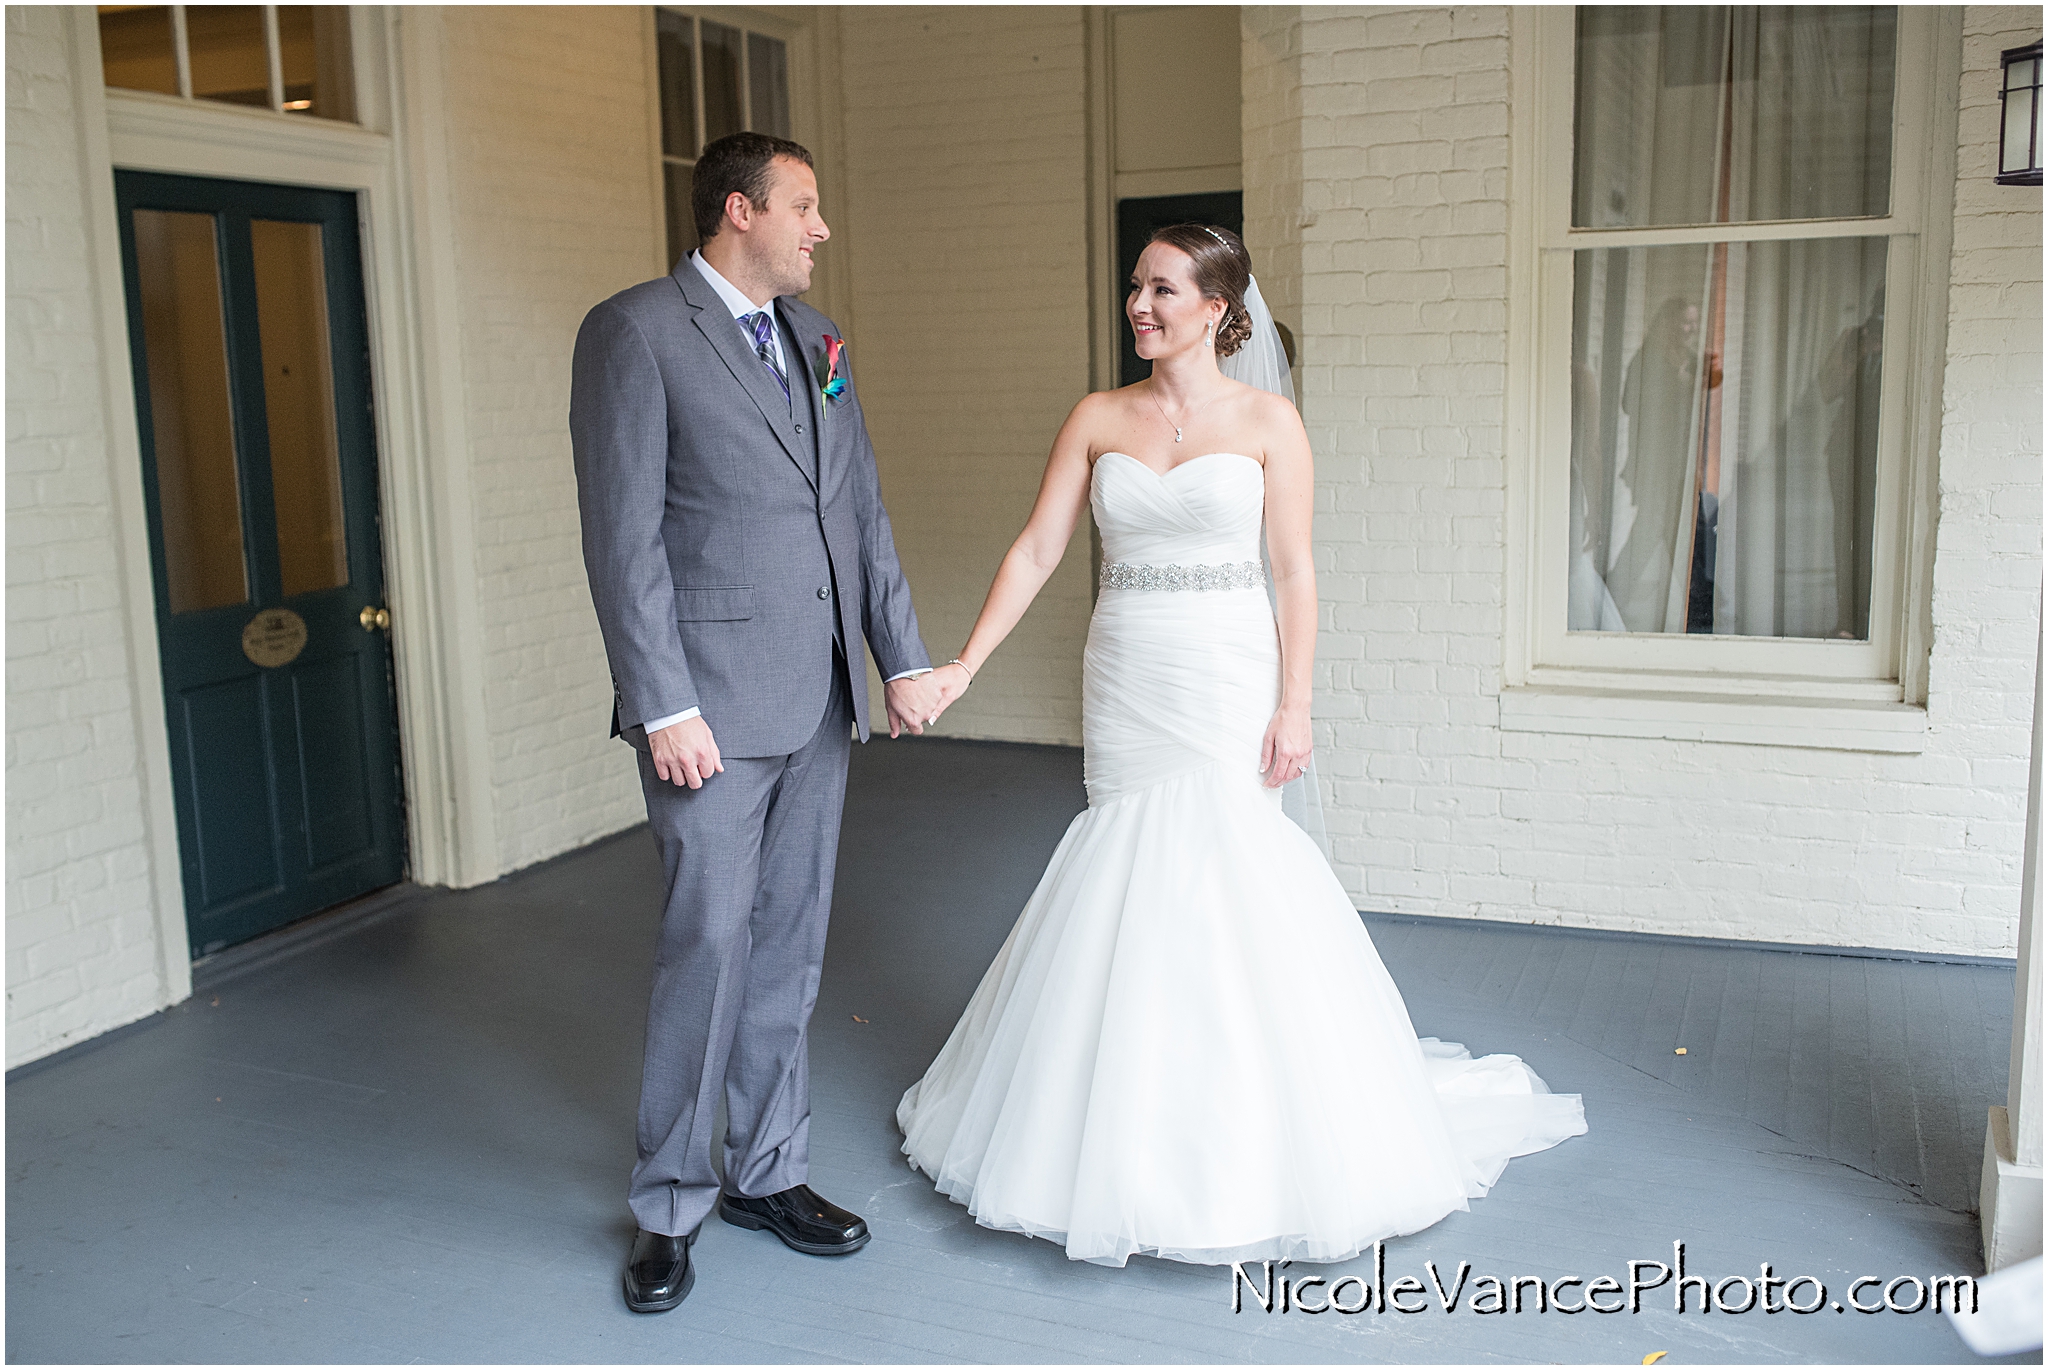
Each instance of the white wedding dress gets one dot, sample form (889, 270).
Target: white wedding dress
(1188, 1046)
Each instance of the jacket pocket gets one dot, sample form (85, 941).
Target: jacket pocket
(714, 604)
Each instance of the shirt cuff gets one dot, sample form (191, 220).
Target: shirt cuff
(911, 675)
(655, 725)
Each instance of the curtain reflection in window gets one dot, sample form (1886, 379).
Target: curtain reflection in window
(1725, 437)
(1725, 395)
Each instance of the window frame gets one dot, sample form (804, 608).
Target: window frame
(181, 57)
(1685, 684)
(796, 39)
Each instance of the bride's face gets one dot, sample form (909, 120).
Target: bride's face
(1166, 309)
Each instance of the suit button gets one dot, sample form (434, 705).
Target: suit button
(824, 592)
(799, 428)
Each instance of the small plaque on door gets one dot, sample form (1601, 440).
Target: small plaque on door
(274, 637)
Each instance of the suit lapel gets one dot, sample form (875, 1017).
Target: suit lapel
(716, 323)
(803, 373)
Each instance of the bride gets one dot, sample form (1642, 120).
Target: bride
(1188, 1046)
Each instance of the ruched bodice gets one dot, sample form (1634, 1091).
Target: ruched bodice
(1205, 511)
(1178, 680)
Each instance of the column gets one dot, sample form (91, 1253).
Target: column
(2009, 1197)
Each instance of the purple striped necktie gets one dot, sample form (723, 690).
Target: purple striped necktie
(762, 325)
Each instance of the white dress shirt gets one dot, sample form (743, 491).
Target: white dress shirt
(729, 294)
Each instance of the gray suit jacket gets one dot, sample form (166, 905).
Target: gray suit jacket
(724, 533)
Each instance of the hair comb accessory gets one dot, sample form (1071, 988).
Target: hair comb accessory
(1214, 234)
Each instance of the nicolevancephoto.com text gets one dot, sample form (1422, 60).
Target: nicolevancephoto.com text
(1266, 1288)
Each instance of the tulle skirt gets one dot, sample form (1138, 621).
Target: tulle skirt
(1188, 1047)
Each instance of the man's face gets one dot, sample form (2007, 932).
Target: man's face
(781, 235)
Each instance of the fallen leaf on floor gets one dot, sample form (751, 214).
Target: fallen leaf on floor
(1679, 1052)
(216, 1001)
(1656, 1356)
(858, 1019)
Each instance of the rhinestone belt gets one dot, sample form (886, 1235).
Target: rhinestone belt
(1234, 575)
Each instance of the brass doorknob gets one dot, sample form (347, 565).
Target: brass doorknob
(372, 619)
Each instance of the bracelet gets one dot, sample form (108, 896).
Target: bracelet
(956, 661)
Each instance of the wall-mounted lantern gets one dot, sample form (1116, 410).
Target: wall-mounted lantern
(2019, 130)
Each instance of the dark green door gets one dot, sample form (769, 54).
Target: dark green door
(252, 389)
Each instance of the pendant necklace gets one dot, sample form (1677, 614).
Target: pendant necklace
(1169, 422)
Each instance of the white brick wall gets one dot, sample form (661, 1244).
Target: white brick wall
(82, 953)
(1376, 159)
(966, 230)
(548, 156)
(1376, 156)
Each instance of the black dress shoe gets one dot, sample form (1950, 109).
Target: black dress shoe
(658, 1273)
(805, 1222)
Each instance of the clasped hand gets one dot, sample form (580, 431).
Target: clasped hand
(686, 753)
(915, 703)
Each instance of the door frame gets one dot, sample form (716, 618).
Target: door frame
(394, 161)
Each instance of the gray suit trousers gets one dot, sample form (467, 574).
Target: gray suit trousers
(749, 859)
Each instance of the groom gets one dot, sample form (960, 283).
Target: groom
(738, 554)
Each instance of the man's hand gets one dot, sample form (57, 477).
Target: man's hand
(913, 702)
(685, 753)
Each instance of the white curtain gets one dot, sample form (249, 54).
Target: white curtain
(1724, 395)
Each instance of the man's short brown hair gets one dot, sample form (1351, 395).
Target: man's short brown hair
(737, 162)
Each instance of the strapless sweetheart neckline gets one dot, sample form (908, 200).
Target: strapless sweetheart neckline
(1178, 466)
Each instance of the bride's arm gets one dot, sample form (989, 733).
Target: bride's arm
(1290, 510)
(1062, 495)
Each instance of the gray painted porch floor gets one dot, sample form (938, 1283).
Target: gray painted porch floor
(407, 1138)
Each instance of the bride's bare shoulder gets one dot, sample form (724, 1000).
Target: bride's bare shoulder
(1100, 419)
(1273, 412)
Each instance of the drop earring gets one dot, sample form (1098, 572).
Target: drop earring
(1209, 336)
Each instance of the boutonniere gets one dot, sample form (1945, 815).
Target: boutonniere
(834, 387)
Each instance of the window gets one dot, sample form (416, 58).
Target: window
(716, 79)
(294, 59)
(1724, 424)
(1725, 409)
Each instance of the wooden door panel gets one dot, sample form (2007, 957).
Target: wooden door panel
(327, 712)
(229, 792)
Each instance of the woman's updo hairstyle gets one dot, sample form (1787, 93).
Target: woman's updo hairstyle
(1223, 271)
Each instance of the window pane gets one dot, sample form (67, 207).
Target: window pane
(1726, 114)
(682, 229)
(721, 81)
(230, 57)
(1724, 437)
(314, 44)
(678, 85)
(768, 75)
(298, 401)
(136, 49)
(191, 423)
(2019, 124)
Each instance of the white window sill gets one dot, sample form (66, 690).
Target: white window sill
(1763, 720)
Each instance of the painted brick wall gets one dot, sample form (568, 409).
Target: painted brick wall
(965, 229)
(1987, 570)
(1376, 177)
(548, 157)
(82, 947)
